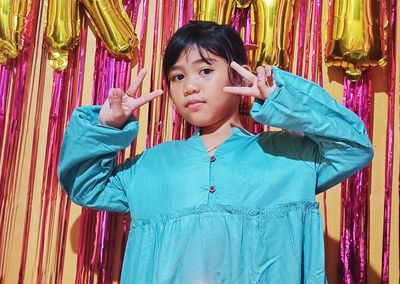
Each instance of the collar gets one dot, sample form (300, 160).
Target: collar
(235, 131)
(238, 138)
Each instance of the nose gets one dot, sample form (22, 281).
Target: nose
(190, 89)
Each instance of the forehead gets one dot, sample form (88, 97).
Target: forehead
(194, 55)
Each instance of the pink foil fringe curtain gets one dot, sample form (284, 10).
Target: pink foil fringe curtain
(390, 7)
(355, 202)
(14, 88)
(4, 89)
(103, 235)
(310, 41)
(311, 20)
(241, 19)
(98, 238)
(66, 95)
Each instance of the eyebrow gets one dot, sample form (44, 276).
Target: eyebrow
(198, 61)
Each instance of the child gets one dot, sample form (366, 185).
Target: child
(224, 206)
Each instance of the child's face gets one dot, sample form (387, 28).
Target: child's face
(196, 89)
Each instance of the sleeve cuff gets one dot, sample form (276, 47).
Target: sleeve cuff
(86, 121)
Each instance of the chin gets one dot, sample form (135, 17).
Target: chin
(198, 124)
(199, 121)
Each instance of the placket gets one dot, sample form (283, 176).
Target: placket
(213, 184)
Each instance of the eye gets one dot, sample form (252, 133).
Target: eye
(206, 71)
(178, 77)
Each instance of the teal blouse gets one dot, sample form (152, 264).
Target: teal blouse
(248, 214)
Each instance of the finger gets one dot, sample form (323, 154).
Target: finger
(261, 75)
(246, 74)
(269, 76)
(262, 87)
(115, 95)
(136, 83)
(147, 98)
(261, 81)
(245, 91)
(268, 70)
(115, 100)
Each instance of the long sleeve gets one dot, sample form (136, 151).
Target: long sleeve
(87, 168)
(341, 141)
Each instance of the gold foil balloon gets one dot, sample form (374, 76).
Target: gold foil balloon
(12, 20)
(270, 20)
(62, 31)
(113, 26)
(242, 4)
(356, 36)
(273, 20)
(207, 10)
(214, 10)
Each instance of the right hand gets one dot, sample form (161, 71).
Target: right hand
(120, 104)
(259, 86)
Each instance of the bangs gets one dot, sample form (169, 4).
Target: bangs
(206, 37)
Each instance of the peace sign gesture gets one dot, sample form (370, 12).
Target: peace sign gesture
(259, 86)
(120, 104)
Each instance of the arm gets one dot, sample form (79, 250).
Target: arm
(297, 104)
(87, 168)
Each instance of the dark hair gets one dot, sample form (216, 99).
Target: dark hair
(221, 40)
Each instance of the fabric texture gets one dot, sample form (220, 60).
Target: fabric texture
(248, 215)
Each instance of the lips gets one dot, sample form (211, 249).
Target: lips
(192, 102)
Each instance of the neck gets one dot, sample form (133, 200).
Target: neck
(215, 135)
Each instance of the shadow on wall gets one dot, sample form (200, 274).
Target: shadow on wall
(92, 263)
(332, 263)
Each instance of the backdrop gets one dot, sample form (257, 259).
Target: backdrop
(58, 54)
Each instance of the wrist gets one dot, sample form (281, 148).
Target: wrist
(114, 124)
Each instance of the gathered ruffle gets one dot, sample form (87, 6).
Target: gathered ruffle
(275, 211)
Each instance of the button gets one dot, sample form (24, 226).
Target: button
(212, 189)
(212, 158)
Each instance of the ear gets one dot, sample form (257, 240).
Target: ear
(243, 81)
(246, 67)
(238, 80)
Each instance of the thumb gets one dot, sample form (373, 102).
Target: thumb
(261, 86)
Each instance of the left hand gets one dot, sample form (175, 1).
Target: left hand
(120, 104)
(259, 86)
